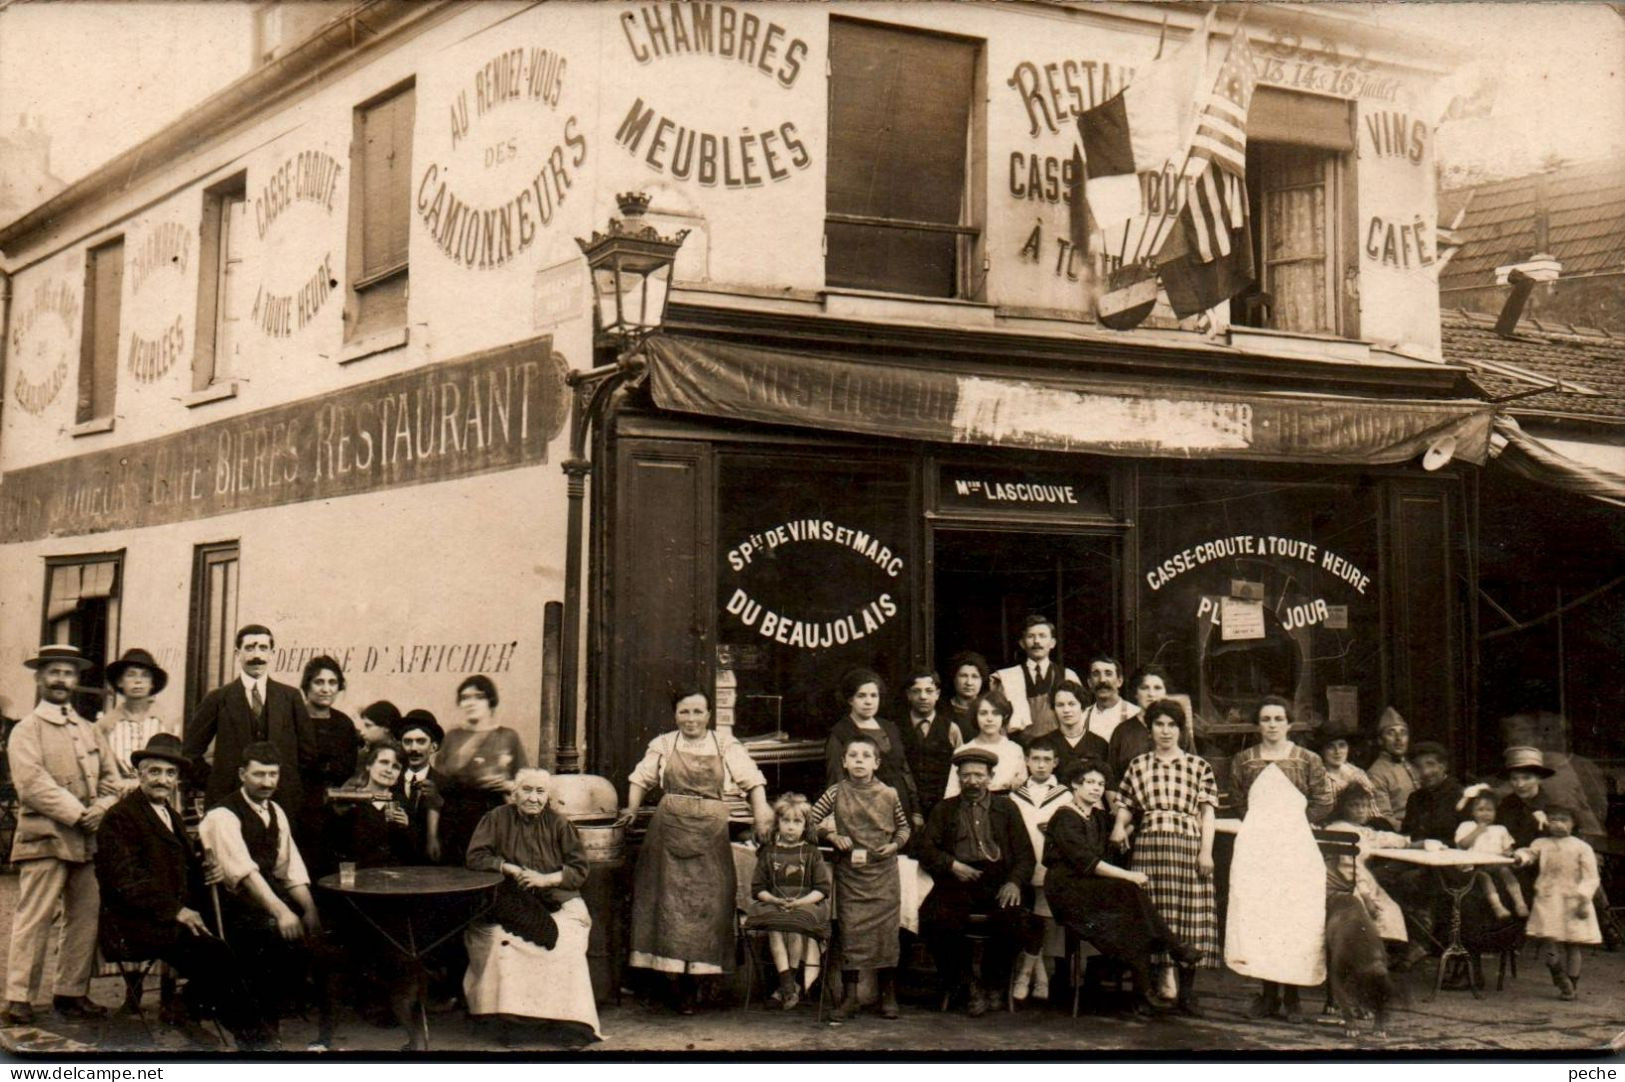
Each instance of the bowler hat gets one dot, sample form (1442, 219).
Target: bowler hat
(421, 719)
(137, 656)
(970, 753)
(59, 652)
(162, 746)
(1527, 759)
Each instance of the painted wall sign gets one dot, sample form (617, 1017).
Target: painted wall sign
(1225, 548)
(751, 156)
(284, 306)
(981, 488)
(491, 411)
(1287, 60)
(158, 338)
(1056, 94)
(810, 633)
(505, 179)
(400, 658)
(167, 245)
(42, 328)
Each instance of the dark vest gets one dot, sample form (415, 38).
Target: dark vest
(929, 758)
(260, 839)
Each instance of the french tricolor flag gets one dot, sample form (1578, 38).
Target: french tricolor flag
(1149, 124)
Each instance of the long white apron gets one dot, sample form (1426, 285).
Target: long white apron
(510, 976)
(1276, 928)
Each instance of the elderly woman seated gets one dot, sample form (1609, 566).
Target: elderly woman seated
(529, 962)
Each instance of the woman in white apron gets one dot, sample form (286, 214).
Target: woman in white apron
(1276, 926)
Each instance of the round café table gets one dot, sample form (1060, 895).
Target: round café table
(1465, 864)
(391, 901)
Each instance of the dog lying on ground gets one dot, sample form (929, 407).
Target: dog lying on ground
(1356, 964)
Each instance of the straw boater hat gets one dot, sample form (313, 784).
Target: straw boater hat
(1530, 760)
(161, 746)
(970, 753)
(138, 657)
(59, 652)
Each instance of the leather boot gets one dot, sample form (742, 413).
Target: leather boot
(1186, 1004)
(847, 1009)
(888, 993)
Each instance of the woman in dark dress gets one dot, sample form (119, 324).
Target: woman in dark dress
(336, 744)
(862, 691)
(1104, 904)
(477, 763)
(968, 674)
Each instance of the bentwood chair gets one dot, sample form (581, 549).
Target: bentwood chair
(758, 960)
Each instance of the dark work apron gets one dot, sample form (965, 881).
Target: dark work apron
(867, 895)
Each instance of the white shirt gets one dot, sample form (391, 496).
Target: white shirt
(249, 684)
(414, 778)
(930, 724)
(1105, 722)
(222, 835)
(162, 811)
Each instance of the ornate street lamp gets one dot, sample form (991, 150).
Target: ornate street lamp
(631, 265)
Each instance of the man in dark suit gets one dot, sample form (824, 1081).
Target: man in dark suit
(420, 784)
(152, 894)
(252, 708)
(977, 850)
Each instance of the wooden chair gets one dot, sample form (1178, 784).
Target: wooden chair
(752, 942)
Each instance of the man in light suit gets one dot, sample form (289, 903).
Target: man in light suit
(65, 781)
(1028, 686)
(249, 709)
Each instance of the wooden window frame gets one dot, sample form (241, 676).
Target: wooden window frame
(204, 558)
(214, 245)
(358, 277)
(85, 410)
(115, 623)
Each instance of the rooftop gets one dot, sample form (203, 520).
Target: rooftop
(1585, 356)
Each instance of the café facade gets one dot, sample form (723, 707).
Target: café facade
(321, 355)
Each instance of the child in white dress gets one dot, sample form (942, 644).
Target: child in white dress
(1563, 915)
(1482, 834)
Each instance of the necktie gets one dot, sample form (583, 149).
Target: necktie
(255, 703)
(163, 813)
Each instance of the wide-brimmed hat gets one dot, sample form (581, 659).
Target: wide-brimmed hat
(970, 753)
(137, 656)
(1527, 759)
(162, 746)
(421, 719)
(59, 652)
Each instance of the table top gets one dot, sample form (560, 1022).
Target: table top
(1441, 858)
(412, 881)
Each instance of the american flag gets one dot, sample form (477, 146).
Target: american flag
(1217, 166)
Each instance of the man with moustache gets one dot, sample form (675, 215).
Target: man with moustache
(1109, 710)
(153, 890)
(1030, 684)
(65, 780)
(980, 857)
(270, 916)
(252, 708)
(420, 782)
(1393, 778)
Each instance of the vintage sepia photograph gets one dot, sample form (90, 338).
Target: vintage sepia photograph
(966, 529)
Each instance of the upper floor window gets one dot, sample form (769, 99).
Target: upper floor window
(901, 216)
(82, 608)
(1300, 154)
(222, 303)
(98, 345)
(380, 213)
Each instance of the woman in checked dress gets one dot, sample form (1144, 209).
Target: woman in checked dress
(1173, 794)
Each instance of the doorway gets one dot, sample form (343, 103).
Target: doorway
(986, 582)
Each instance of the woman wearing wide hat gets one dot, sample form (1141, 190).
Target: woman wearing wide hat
(128, 726)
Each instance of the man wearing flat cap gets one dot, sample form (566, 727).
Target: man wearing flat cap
(65, 783)
(977, 851)
(153, 894)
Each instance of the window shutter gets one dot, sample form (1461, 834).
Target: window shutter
(1280, 116)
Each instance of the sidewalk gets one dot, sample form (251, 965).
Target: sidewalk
(1525, 1016)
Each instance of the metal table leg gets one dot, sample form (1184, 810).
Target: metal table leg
(1455, 948)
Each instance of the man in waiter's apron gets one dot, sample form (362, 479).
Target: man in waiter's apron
(1029, 684)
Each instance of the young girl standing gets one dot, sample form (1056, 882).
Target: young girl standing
(863, 818)
(992, 713)
(791, 889)
(1563, 915)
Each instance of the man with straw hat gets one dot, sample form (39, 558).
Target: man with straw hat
(65, 783)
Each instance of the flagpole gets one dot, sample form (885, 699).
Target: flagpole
(1180, 182)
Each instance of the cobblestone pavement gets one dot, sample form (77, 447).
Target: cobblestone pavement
(1525, 1016)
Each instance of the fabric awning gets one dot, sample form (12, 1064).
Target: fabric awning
(1059, 412)
(1537, 460)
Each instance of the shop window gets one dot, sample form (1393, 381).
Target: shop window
(900, 215)
(82, 607)
(380, 214)
(1299, 157)
(1262, 588)
(211, 637)
(223, 301)
(814, 577)
(98, 349)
